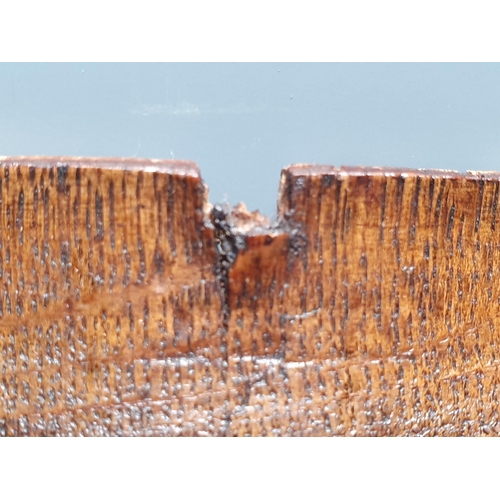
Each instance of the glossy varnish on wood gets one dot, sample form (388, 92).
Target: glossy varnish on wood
(129, 306)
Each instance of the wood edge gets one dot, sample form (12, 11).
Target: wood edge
(183, 168)
(293, 173)
(310, 170)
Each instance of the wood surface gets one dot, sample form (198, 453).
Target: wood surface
(130, 306)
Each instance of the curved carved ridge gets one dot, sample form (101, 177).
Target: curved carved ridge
(130, 306)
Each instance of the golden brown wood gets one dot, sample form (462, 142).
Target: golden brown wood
(130, 306)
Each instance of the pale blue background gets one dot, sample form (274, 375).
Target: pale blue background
(243, 122)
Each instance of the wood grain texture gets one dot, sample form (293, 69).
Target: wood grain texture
(130, 306)
(109, 299)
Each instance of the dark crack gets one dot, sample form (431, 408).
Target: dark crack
(228, 246)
